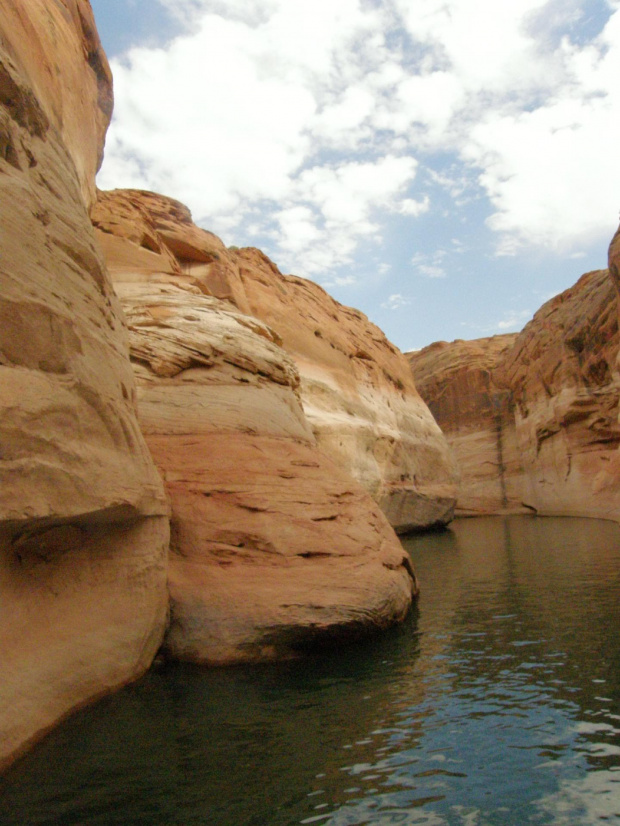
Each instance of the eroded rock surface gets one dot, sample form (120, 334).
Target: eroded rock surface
(274, 547)
(457, 381)
(83, 526)
(549, 398)
(356, 388)
(358, 395)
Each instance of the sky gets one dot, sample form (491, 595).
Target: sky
(445, 166)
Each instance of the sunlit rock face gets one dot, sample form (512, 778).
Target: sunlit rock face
(358, 394)
(274, 547)
(562, 374)
(83, 524)
(553, 394)
(356, 388)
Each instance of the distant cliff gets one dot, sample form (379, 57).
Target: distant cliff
(533, 418)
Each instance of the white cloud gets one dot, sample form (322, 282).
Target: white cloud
(331, 207)
(233, 116)
(548, 169)
(431, 271)
(298, 228)
(409, 206)
(349, 192)
(303, 121)
(396, 301)
(430, 266)
(512, 322)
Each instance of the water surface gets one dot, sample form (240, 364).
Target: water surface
(496, 704)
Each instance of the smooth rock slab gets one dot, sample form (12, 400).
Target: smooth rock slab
(83, 513)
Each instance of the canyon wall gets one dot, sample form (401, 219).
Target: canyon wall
(457, 381)
(356, 388)
(274, 547)
(358, 394)
(83, 514)
(541, 407)
(287, 429)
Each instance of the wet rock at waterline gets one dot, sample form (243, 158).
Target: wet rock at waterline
(83, 515)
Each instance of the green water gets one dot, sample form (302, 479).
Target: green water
(497, 703)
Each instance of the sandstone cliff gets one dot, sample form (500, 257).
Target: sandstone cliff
(83, 526)
(457, 381)
(356, 388)
(358, 395)
(540, 408)
(274, 547)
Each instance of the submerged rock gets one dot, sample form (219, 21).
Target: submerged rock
(83, 515)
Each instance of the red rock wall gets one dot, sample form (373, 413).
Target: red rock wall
(83, 515)
(358, 395)
(547, 398)
(562, 375)
(356, 388)
(274, 547)
(457, 382)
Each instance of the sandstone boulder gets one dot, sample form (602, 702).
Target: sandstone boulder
(83, 525)
(274, 548)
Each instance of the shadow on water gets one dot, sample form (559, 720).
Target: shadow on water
(497, 702)
(191, 745)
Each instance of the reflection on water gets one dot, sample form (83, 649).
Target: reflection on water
(497, 704)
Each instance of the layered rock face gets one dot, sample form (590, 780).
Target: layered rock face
(358, 395)
(457, 381)
(554, 394)
(562, 374)
(83, 526)
(356, 388)
(273, 546)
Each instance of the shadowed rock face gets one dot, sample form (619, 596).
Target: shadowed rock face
(356, 388)
(457, 381)
(83, 527)
(274, 547)
(547, 398)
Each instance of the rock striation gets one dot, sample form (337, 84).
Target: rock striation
(457, 381)
(358, 395)
(274, 547)
(83, 514)
(547, 399)
(356, 389)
